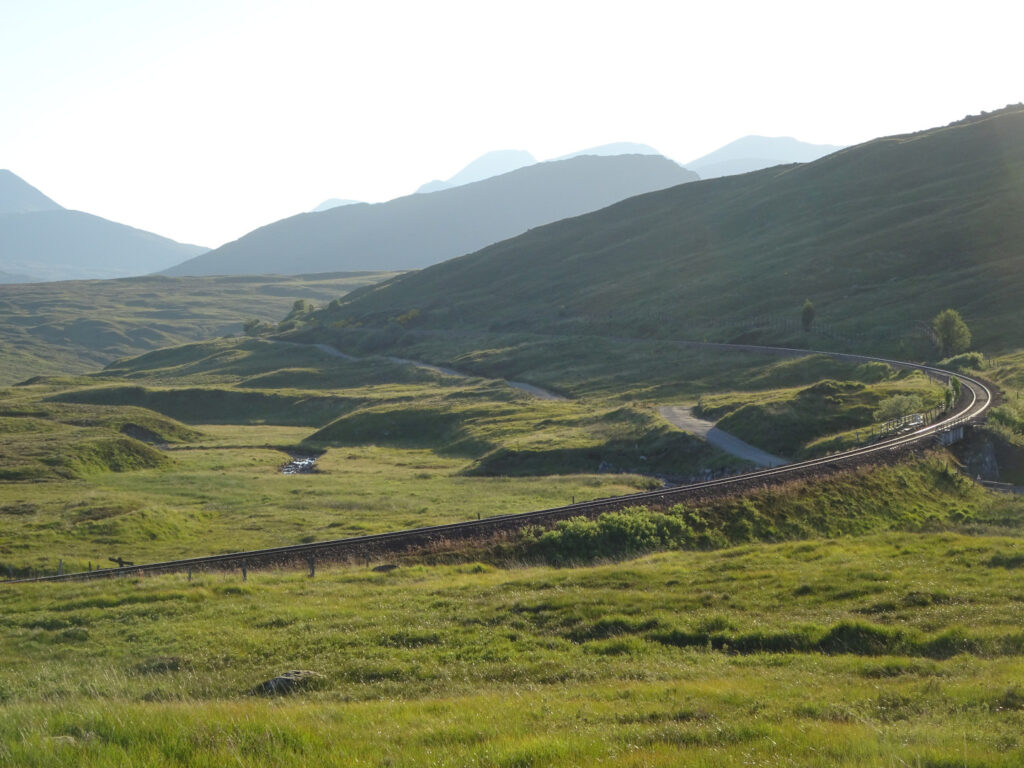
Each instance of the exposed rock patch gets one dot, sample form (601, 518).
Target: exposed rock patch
(288, 682)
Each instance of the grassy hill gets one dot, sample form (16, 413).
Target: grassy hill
(75, 327)
(880, 236)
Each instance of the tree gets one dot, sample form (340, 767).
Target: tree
(952, 332)
(807, 315)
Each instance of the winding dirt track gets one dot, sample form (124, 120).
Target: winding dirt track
(976, 399)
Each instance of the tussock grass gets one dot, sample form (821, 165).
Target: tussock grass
(754, 652)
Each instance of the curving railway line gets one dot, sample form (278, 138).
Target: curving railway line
(976, 398)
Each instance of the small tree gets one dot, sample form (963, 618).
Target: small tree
(807, 315)
(951, 332)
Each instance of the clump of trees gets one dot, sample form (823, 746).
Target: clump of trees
(257, 327)
(301, 310)
(951, 332)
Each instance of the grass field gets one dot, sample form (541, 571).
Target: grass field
(895, 640)
(890, 649)
(177, 452)
(224, 492)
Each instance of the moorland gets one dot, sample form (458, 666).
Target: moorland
(871, 617)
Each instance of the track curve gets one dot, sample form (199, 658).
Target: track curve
(976, 398)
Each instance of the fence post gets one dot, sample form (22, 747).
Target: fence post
(245, 570)
(312, 566)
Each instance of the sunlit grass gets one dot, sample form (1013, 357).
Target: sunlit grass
(474, 665)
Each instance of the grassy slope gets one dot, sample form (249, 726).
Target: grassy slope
(460, 665)
(880, 236)
(794, 421)
(73, 327)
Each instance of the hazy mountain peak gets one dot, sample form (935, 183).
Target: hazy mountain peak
(484, 167)
(752, 153)
(18, 196)
(334, 202)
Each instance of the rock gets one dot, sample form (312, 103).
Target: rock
(288, 682)
(384, 568)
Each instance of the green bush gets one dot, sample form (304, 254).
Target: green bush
(612, 535)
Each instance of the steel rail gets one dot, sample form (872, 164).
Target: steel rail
(979, 395)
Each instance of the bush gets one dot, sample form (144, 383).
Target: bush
(613, 535)
(968, 361)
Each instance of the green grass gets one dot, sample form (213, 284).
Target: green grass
(79, 326)
(45, 441)
(416, 448)
(884, 649)
(224, 492)
(648, 370)
(805, 421)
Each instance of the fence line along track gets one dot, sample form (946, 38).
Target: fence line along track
(976, 393)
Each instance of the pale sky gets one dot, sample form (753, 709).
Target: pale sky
(201, 121)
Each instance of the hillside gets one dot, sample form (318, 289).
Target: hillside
(752, 153)
(880, 237)
(41, 240)
(78, 326)
(419, 230)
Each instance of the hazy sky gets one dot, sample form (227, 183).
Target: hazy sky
(203, 120)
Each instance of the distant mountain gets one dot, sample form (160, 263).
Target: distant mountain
(752, 153)
(18, 196)
(418, 230)
(618, 148)
(880, 237)
(43, 241)
(484, 167)
(334, 202)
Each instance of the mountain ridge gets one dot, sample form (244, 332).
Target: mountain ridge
(880, 235)
(41, 241)
(421, 229)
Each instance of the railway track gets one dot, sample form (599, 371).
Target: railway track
(976, 398)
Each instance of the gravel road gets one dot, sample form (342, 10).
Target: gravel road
(681, 416)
